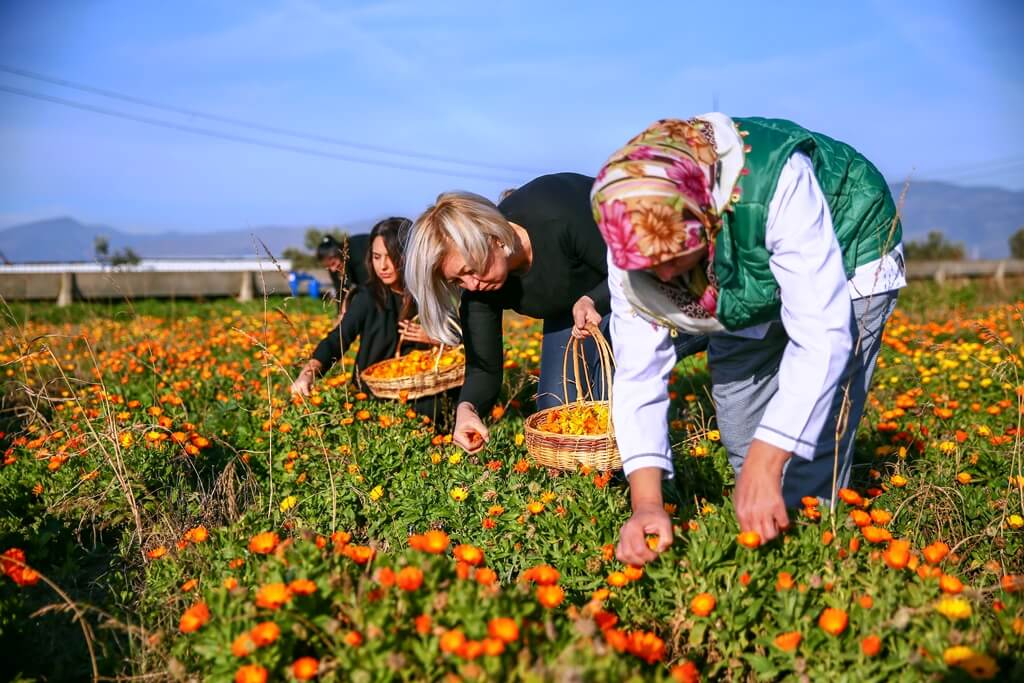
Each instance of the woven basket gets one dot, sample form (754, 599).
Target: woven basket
(419, 385)
(568, 451)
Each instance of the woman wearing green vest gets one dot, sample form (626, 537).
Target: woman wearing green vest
(784, 247)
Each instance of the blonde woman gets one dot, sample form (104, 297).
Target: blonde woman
(538, 253)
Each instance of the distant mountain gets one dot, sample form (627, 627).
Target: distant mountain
(65, 239)
(983, 218)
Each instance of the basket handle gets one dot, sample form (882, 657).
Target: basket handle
(607, 362)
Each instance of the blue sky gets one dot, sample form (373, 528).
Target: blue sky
(532, 87)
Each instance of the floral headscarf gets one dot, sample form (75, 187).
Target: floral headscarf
(652, 203)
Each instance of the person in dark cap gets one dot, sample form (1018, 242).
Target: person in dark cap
(345, 262)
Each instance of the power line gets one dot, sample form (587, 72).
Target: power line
(231, 137)
(312, 137)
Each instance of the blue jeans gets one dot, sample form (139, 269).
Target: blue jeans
(557, 333)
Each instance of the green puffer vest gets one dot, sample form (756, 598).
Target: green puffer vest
(862, 209)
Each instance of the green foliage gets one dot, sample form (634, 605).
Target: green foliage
(934, 248)
(1017, 244)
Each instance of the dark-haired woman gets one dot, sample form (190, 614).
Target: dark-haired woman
(378, 314)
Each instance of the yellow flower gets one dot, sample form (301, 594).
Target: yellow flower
(455, 458)
(898, 480)
(435, 458)
(954, 608)
(376, 492)
(519, 439)
(954, 655)
(714, 435)
(288, 503)
(964, 477)
(127, 439)
(1015, 521)
(547, 497)
(459, 494)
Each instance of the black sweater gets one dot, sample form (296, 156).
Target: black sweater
(569, 261)
(375, 327)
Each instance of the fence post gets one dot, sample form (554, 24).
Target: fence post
(940, 274)
(67, 289)
(245, 291)
(1000, 276)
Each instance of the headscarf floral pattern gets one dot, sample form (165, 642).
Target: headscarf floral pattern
(652, 203)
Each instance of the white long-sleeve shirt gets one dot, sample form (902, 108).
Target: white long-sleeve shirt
(807, 263)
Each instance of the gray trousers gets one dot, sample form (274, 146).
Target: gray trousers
(744, 378)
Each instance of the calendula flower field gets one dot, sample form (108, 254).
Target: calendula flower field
(170, 512)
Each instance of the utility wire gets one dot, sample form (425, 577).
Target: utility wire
(312, 137)
(231, 137)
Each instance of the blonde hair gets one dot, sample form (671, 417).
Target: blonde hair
(460, 221)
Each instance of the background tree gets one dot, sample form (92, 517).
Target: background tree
(1017, 243)
(935, 247)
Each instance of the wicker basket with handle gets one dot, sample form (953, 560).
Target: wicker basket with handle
(569, 451)
(445, 372)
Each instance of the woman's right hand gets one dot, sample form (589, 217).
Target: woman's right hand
(470, 432)
(304, 382)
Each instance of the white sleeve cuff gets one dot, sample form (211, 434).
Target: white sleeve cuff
(632, 463)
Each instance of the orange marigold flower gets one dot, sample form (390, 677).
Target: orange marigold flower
(617, 579)
(197, 534)
(745, 579)
(302, 587)
(703, 604)
(272, 595)
(189, 585)
(685, 672)
(616, 639)
(784, 582)
(881, 517)
(550, 596)
(542, 575)
(265, 633)
(434, 541)
(860, 518)
(866, 601)
(826, 538)
(386, 577)
(1012, 583)
(897, 555)
(633, 573)
(251, 673)
(305, 668)
(264, 543)
(809, 501)
(470, 650)
(341, 538)
(504, 629)
(749, 539)
(833, 621)
(605, 620)
(492, 647)
(789, 641)
(157, 552)
(230, 583)
(422, 624)
(353, 638)
(485, 576)
(647, 646)
(452, 641)
(409, 578)
(935, 553)
(851, 497)
(875, 534)
(194, 618)
(871, 645)
(360, 554)
(242, 646)
(950, 584)
(469, 554)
